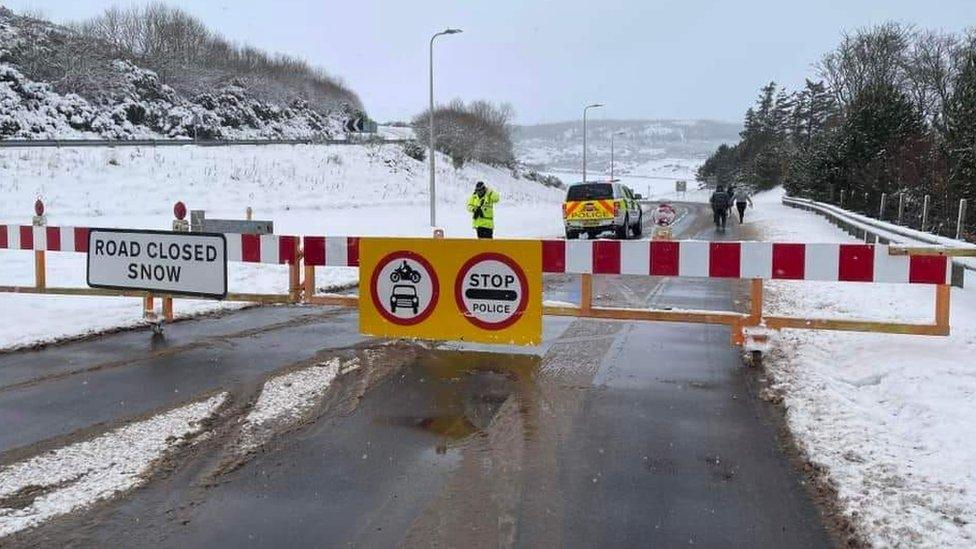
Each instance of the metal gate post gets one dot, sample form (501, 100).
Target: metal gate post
(961, 221)
(925, 213)
(881, 210)
(901, 206)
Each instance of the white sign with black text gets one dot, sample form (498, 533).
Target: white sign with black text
(193, 264)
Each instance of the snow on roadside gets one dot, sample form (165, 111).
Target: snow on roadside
(334, 190)
(285, 399)
(889, 418)
(75, 476)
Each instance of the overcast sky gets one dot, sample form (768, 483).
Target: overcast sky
(643, 58)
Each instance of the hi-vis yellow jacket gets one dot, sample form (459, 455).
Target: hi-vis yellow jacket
(487, 205)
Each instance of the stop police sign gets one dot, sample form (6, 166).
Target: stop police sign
(491, 291)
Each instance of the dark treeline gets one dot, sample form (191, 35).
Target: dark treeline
(193, 59)
(477, 131)
(893, 111)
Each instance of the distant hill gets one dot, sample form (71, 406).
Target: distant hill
(643, 147)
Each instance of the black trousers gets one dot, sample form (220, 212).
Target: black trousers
(741, 206)
(719, 215)
(484, 232)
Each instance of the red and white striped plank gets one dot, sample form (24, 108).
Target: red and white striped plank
(51, 239)
(331, 251)
(276, 249)
(767, 260)
(261, 248)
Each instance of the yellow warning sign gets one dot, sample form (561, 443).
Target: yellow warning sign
(489, 291)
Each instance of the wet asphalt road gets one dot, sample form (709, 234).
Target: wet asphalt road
(610, 434)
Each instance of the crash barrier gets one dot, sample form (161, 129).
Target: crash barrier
(59, 143)
(753, 261)
(875, 231)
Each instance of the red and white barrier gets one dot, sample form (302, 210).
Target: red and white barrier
(766, 260)
(52, 239)
(246, 248)
(682, 258)
(331, 251)
(261, 248)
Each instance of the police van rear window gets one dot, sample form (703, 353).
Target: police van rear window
(590, 191)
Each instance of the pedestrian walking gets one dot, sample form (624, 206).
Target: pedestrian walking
(482, 208)
(720, 207)
(743, 198)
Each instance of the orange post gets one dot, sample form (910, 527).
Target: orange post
(309, 282)
(294, 276)
(586, 293)
(40, 270)
(148, 307)
(942, 294)
(168, 309)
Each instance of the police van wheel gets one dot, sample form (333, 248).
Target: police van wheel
(639, 227)
(623, 231)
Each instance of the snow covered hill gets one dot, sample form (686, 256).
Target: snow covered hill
(642, 146)
(128, 102)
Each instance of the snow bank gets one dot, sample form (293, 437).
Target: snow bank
(76, 476)
(887, 417)
(364, 190)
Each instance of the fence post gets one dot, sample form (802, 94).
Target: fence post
(40, 261)
(842, 192)
(925, 213)
(881, 210)
(960, 223)
(248, 213)
(586, 293)
(179, 225)
(294, 274)
(901, 206)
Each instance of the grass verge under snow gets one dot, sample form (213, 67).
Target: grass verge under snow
(889, 418)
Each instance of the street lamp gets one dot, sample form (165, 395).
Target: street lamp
(433, 196)
(586, 108)
(611, 152)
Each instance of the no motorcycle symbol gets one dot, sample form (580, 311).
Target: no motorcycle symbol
(404, 288)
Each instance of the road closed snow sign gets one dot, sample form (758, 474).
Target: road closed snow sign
(193, 264)
(496, 287)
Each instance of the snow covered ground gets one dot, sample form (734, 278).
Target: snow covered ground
(889, 418)
(318, 190)
(75, 476)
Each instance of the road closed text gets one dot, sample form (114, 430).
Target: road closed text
(178, 263)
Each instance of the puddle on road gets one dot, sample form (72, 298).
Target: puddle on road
(458, 394)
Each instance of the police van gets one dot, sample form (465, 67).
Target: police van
(594, 208)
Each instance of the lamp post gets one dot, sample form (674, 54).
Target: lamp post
(586, 108)
(433, 195)
(611, 152)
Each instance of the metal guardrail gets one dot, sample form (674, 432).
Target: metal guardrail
(873, 231)
(14, 143)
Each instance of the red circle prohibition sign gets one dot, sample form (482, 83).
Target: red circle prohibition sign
(434, 284)
(523, 282)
